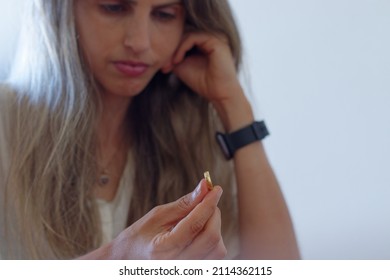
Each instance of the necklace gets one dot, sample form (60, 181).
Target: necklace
(104, 177)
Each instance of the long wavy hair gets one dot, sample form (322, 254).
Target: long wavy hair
(53, 156)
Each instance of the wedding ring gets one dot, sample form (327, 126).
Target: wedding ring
(208, 180)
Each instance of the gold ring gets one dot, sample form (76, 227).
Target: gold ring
(208, 180)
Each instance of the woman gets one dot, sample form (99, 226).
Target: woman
(109, 117)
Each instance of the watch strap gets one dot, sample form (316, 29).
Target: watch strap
(231, 142)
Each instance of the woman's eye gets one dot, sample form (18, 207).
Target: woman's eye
(164, 16)
(114, 8)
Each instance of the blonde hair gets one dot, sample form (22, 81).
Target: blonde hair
(53, 166)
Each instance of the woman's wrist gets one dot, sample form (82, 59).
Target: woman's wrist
(235, 112)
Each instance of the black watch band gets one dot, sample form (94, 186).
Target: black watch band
(231, 142)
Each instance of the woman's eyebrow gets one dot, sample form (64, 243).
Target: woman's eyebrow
(162, 5)
(170, 3)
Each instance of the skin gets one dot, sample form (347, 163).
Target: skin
(142, 31)
(189, 228)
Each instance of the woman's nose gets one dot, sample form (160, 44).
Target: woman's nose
(138, 35)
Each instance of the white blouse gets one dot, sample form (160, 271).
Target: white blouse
(113, 213)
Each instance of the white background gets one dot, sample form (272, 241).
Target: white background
(320, 71)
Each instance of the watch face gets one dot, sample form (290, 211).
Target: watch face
(260, 130)
(223, 145)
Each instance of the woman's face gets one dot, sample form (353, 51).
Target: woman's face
(125, 42)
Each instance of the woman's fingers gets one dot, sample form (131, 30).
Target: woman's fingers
(170, 214)
(184, 205)
(176, 224)
(208, 243)
(218, 253)
(204, 62)
(194, 223)
(205, 43)
(169, 229)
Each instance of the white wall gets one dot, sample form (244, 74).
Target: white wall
(320, 71)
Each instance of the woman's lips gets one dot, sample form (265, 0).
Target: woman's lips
(131, 69)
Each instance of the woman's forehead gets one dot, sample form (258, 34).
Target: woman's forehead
(136, 2)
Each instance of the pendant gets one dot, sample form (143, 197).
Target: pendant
(104, 180)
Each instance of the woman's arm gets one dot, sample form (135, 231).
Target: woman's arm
(266, 231)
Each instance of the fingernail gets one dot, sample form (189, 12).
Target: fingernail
(196, 192)
(220, 192)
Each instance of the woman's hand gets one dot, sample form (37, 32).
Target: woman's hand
(204, 62)
(189, 228)
(208, 69)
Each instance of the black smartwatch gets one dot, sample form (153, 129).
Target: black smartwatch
(231, 142)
